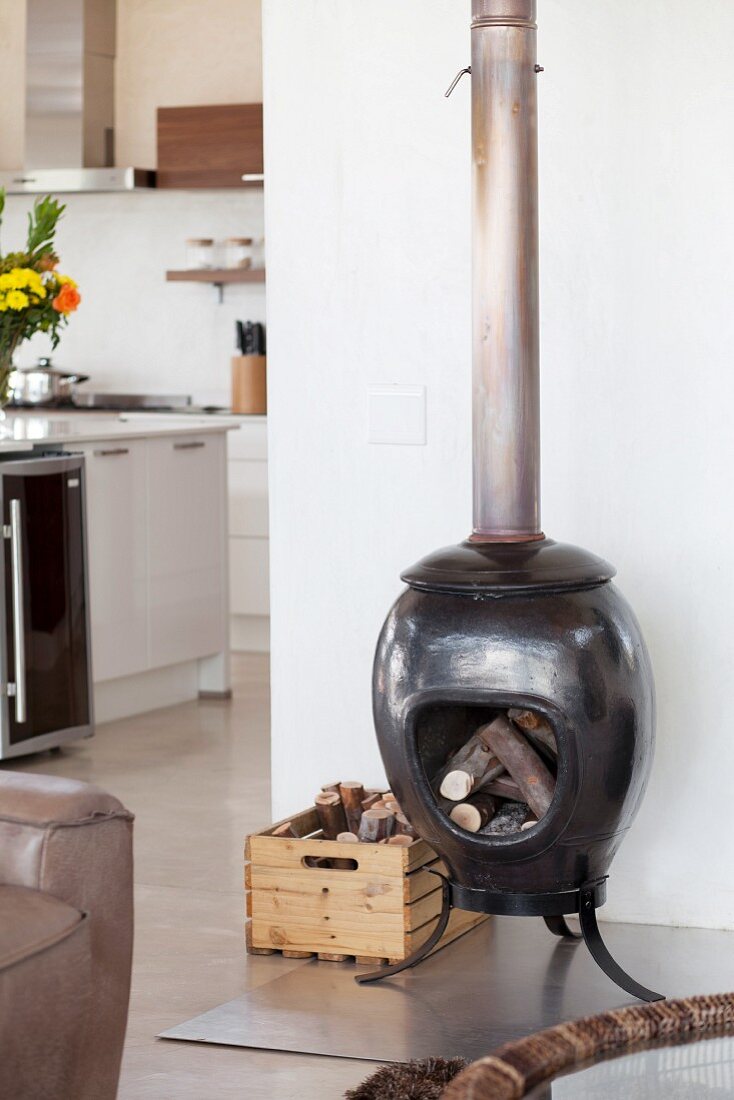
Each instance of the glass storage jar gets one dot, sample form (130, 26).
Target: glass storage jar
(238, 252)
(199, 253)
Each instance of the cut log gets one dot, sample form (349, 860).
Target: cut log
(331, 814)
(400, 840)
(352, 794)
(504, 787)
(376, 825)
(535, 724)
(348, 838)
(475, 813)
(523, 763)
(286, 829)
(403, 827)
(472, 764)
(370, 800)
(331, 788)
(392, 805)
(509, 819)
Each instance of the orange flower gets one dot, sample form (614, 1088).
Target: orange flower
(67, 300)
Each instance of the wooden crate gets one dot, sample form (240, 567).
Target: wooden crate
(382, 909)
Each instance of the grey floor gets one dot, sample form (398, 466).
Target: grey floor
(197, 778)
(505, 979)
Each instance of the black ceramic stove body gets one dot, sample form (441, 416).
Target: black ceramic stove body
(487, 626)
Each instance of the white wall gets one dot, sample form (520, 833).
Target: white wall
(367, 222)
(135, 332)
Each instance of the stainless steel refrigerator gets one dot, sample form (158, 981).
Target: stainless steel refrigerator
(45, 643)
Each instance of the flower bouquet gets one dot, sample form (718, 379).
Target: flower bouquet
(34, 297)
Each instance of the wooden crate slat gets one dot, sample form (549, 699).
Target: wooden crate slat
(424, 910)
(460, 922)
(418, 854)
(327, 890)
(377, 943)
(289, 854)
(421, 882)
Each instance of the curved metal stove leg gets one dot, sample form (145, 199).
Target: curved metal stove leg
(600, 952)
(424, 949)
(560, 927)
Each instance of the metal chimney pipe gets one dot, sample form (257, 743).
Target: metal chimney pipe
(506, 355)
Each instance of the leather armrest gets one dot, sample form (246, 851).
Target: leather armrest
(73, 841)
(43, 800)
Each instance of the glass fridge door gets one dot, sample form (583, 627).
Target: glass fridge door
(45, 593)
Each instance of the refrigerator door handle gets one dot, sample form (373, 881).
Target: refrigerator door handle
(16, 565)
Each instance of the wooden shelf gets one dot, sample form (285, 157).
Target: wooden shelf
(219, 276)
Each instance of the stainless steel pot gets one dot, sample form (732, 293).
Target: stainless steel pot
(43, 385)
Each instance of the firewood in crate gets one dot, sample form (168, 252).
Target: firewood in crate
(523, 763)
(286, 829)
(534, 724)
(331, 788)
(331, 814)
(352, 795)
(400, 840)
(476, 812)
(348, 838)
(403, 827)
(372, 798)
(509, 819)
(376, 825)
(472, 764)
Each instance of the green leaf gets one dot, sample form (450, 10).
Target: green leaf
(42, 222)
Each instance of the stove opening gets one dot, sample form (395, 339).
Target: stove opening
(492, 769)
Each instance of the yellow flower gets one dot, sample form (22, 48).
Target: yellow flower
(3, 304)
(16, 299)
(22, 278)
(65, 280)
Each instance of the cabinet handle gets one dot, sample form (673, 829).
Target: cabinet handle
(16, 560)
(188, 446)
(112, 451)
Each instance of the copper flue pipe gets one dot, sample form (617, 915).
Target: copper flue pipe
(506, 382)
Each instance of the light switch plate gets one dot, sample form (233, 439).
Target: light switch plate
(397, 414)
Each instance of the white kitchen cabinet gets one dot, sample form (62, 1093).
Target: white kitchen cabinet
(248, 535)
(117, 548)
(249, 574)
(248, 499)
(187, 524)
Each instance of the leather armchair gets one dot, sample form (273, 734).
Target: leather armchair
(66, 925)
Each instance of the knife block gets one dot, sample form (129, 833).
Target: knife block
(249, 391)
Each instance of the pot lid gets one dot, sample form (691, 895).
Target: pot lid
(505, 567)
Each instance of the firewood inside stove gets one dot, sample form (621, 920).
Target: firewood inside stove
(476, 812)
(523, 763)
(471, 766)
(507, 769)
(536, 727)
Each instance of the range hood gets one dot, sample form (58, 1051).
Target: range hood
(69, 118)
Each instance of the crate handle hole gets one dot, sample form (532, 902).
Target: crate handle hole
(321, 863)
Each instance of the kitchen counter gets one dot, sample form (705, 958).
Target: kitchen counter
(157, 549)
(24, 430)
